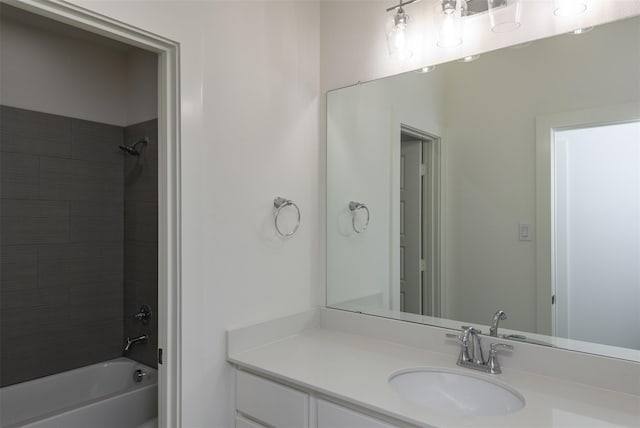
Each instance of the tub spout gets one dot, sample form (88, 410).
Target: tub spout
(131, 340)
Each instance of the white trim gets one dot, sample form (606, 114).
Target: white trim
(169, 215)
(545, 128)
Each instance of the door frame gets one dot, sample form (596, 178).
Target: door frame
(546, 126)
(169, 199)
(431, 231)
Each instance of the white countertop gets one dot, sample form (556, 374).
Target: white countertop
(356, 369)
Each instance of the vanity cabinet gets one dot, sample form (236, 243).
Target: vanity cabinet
(262, 402)
(270, 402)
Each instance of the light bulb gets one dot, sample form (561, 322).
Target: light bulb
(448, 34)
(448, 25)
(398, 36)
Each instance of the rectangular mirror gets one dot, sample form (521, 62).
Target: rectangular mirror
(510, 183)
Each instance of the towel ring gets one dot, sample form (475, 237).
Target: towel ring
(354, 207)
(281, 203)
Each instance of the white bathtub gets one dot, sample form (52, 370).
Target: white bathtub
(102, 395)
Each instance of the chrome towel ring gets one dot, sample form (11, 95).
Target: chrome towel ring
(280, 203)
(354, 207)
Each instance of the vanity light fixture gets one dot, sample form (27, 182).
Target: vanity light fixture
(504, 15)
(569, 7)
(399, 37)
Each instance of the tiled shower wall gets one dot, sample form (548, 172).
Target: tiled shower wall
(61, 237)
(141, 239)
(62, 244)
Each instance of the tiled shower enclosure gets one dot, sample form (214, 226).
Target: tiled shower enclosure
(78, 242)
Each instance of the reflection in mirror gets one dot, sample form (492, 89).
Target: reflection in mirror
(507, 183)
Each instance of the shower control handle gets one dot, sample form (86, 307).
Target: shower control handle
(143, 314)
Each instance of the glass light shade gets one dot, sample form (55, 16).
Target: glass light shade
(569, 7)
(504, 15)
(400, 38)
(448, 24)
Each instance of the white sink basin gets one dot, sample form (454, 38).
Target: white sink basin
(456, 392)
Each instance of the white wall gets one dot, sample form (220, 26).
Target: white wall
(601, 182)
(141, 86)
(249, 131)
(50, 70)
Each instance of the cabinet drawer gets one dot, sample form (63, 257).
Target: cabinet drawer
(274, 404)
(334, 416)
(246, 423)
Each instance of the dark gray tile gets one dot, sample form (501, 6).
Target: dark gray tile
(19, 268)
(141, 221)
(17, 322)
(83, 251)
(97, 208)
(90, 294)
(19, 176)
(141, 177)
(52, 314)
(19, 365)
(105, 309)
(68, 272)
(34, 230)
(65, 179)
(19, 299)
(97, 142)
(26, 131)
(53, 297)
(97, 229)
(142, 262)
(34, 208)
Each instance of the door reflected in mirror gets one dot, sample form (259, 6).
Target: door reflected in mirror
(501, 183)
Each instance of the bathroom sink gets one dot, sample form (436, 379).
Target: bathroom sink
(456, 392)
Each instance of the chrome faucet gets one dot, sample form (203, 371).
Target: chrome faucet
(471, 351)
(131, 340)
(474, 349)
(497, 317)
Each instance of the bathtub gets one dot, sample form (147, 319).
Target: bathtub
(102, 395)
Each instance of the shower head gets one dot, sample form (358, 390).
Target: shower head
(132, 148)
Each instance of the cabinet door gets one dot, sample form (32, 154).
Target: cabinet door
(334, 416)
(271, 403)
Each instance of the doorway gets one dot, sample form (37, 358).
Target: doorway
(596, 223)
(168, 163)
(419, 222)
